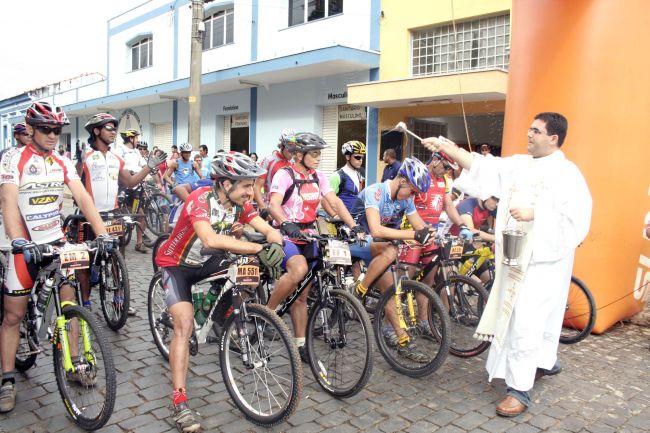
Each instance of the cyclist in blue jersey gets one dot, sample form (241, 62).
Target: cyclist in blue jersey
(183, 169)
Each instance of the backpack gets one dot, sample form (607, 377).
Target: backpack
(299, 182)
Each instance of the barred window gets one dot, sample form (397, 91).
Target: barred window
(478, 44)
(302, 11)
(425, 128)
(219, 29)
(142, 54)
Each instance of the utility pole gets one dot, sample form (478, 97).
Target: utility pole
(194, 100)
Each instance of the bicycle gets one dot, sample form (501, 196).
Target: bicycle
(156, 208)
(580, 313)
(83, 362)
(339, 332)
(111, 272)
(260, 364)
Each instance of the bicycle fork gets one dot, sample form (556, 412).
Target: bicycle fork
(241, 315)
(411, 310)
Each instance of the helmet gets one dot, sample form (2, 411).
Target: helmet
(45, 113)
(130, 133)
(446, 160)
(416, 172)
(234, 166)
(287, 139)
(353, 148)
(20, 128)
(142, 144)
(185, 147)
(99, 120)
(306, 141)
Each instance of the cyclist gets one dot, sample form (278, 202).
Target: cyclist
(283, 157)
(101, 173)
(31, 187)
(21, 135)
(379, 209)
(296, 192)
(206, 221)
(348, 181)
(183, 169)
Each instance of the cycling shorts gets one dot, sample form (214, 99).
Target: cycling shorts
(308, 250)
(417, 254)
(362, 251)
(20, 276)
(178, 280)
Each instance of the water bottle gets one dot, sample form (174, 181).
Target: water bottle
(197, 301)
(210, 298)
(44, 295)
(442, 229)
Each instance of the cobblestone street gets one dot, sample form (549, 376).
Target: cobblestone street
(605, 387)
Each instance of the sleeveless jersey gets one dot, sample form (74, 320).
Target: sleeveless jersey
(347, 189)
(100, 177)
(430, 204)
(184, 171)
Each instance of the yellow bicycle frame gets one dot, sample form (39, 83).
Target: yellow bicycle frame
(62, 333)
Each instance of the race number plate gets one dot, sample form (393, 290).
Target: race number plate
(456, 252)
(114, 227)
(338, 253)
(248, 275)
(75, 259)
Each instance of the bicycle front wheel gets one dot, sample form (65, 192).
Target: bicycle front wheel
(422, 311)
(114, 291)
(580, 314)
(465, 300)
(267, 386)
(88, 389)
(339, 344)
(156, 211)
(160, 319)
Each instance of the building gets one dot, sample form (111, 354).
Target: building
(443, 71)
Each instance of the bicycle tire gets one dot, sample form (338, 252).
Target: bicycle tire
(436, 314)
(115, 273)
(335, 371)
(265, 349)
(156, 213)
(103, 358)
(469, 299)
(156, 246)
(160, 321)
(580, 313)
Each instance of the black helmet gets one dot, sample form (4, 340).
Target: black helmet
(306, 141)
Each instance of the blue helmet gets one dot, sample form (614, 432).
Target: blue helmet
(416, 172)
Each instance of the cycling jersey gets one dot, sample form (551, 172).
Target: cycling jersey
(5, 242)
(346, 183)
(471, 207)
(40, 179)
(100, 174)
(272, 164)
(377, 196)
(431, 203)
(184, 172)
(133, 161)
(183, 248)
(301, 206)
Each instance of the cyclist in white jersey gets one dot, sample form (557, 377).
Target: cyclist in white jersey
(31, 189)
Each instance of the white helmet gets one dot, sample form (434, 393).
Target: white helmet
(185, 147)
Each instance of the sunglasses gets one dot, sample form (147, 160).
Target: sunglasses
(314, 153)
(46, 130)
(357, 157)
(110, 128)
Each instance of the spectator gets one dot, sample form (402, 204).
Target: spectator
(392, 165)
(254, 156)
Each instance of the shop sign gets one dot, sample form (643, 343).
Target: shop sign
(351, 112)
(239, 121)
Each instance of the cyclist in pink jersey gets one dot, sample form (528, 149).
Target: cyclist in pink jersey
(31, 188)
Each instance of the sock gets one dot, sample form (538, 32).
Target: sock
(8, 377)
(300, 341)
(88, 303)
(179, 396)
(361, 289)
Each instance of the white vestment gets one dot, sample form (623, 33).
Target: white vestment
(523, 318)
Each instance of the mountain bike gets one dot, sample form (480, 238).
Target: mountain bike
(580, 313)
(83, 362)
(108, 272)
(260, 364)
(155, 208)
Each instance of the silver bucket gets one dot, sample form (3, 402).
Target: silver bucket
(513, 243)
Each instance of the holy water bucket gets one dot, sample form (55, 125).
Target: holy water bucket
(513, 242)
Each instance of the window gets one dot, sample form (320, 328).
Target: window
(478, 44)
(142, 54)
(301, 11)
(425, 128)
(219, 29)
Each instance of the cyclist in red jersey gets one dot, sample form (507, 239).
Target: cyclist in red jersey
(32, 179)
(207, 220)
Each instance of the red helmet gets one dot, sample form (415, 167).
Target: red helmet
(44, 113)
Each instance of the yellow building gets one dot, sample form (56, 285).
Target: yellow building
(443, 70)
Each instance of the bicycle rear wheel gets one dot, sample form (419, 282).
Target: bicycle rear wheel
(339, 344)
(267, 388)
(156, 211)
(160, 320)
(580, 314)
(88, 393)
(465, 300)
(114, 291)
(426, 352)
(28, 344)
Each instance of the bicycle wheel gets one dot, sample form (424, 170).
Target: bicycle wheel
(88, 393)
(580, 314)
(465, 304)
(267, 388)
(114, 291)
(339, 344)
(156, 246)
(160, 320)
(432, 350)
(28, 344)
(156, 213)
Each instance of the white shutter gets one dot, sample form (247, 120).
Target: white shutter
(330, 135)
(162, 137)
(226, 133)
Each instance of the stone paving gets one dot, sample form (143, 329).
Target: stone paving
(605, 387)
